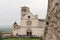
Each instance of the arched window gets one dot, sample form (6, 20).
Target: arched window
(29, 32)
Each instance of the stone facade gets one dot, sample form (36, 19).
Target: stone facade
(52, 30)
(30, 24)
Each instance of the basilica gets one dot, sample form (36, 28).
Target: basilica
(30, 24)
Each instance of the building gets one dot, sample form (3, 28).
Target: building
(30, 24)
(52, 31)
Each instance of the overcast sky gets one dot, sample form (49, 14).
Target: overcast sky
(10, 10)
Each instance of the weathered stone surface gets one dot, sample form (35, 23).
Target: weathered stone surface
(52, 30)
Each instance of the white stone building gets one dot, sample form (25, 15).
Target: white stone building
(30, 24)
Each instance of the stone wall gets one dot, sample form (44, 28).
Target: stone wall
(52, 30)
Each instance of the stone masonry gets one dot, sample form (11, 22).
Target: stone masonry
(52, 30)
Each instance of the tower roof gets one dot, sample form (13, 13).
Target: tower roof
(15, 23)
(25, 7)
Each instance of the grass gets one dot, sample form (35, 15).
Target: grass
(20, 39)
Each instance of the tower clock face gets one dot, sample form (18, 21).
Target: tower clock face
(29, 22)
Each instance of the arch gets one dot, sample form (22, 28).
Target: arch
(29, 32)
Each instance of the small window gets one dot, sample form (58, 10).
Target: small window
(28, 16)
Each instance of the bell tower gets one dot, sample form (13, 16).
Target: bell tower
(24, 11)
(15, 26)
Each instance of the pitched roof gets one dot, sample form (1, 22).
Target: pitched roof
(29, 14)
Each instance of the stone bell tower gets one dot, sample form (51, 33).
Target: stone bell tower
(24, 11)
(52, 30)
(15, 26)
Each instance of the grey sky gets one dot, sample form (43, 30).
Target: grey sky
(10, 10)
